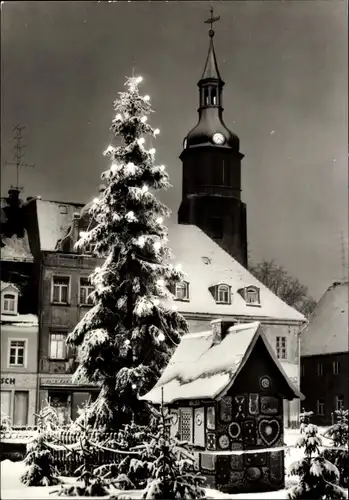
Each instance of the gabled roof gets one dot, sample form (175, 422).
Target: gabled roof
(327, 331)
(191, 247)
(201, 370)
(54, 219)
(4, 285)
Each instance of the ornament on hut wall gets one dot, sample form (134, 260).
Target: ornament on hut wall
(269, 430)
(253, 474)
(255, 459)
(211, 418)
(269, 405)
(207, 462)
(234, 430)
(265, 382)
(250, 432)
(223, 471)
(224, 441)
(253, 404)
(240, 401)
(236, 462)
(276, 467)
(211, 441)
(226, 409)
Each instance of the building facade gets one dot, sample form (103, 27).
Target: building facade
(19, 309)
(325, 355)
(19, 343)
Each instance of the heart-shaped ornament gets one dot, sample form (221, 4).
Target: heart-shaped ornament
(269, 430)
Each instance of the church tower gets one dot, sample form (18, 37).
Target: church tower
(211, 158)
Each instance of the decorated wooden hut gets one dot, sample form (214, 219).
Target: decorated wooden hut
(224, 389)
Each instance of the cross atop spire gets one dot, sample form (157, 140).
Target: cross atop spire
(210, 21)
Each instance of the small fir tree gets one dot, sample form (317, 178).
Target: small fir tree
(39, 461)
(173, 471)
(90, 484)
(126, 339)
(318, 478)
(338, 433)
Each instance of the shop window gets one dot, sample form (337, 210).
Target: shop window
(61, 402)
(281, 347)
(58, 348)
(21, 408)
(17, 353)
(60, 290)
(85, 292)
(6, 403)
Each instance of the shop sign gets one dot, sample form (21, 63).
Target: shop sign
(61, 381)
(8, 380)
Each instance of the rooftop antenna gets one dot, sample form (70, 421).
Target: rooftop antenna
(18, 154)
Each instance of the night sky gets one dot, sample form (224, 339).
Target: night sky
(285, 68)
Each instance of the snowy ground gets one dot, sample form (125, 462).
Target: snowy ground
(12, 488)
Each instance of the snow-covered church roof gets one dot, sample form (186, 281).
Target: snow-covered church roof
(205, 263)
(201, 369)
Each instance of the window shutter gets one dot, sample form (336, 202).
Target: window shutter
(199, 427)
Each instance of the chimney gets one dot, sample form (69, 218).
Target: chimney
(220, 328)
(75, 228)
(13, 197)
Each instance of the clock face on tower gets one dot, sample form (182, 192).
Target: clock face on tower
(218, 138)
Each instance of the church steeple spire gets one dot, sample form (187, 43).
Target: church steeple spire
(211, 68)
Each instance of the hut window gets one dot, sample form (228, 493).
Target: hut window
(320, 406)
(182, 291)
(281, 347)
(186, 424)
(210, 418)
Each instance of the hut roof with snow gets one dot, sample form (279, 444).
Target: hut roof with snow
(204, 368)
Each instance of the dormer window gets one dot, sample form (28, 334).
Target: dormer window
(221, 293)
(9, 300)
(10, 303)
(182, 291)
(251, 295)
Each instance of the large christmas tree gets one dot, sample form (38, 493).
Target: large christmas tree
(126, 339)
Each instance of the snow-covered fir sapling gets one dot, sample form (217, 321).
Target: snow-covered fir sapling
(318, 478)
(126, 339)
(40, 470)
(304, 419)
(338, 433)
(89, 485)
(5, 424)
(173, 470)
